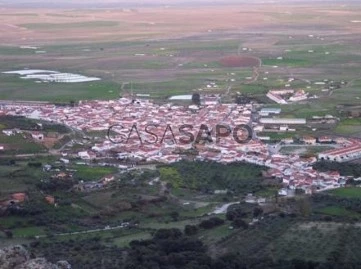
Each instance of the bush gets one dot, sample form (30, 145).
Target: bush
(240, 223)
(234, 212)
(211, 223)
(190, 230)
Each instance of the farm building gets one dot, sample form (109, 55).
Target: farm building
(283, 121)
(268, 111)
(37, 136)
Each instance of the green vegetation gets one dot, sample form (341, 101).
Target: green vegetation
(18, 144)
(317, 232)
(313, 229)
(337, 211)
(287, 61)
(349, 126)
(90, 173)
(22, 123)
(350, 192)
(60, 26)
(208, 177)
(21, 141)
(19, 89)
(345, 169)
(28, 231)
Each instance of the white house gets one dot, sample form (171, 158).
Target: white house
(9, 132)
(37, 136)
(86, 155)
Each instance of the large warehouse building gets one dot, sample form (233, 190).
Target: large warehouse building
(282, 121)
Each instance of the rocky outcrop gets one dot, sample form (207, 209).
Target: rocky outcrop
(18, 257)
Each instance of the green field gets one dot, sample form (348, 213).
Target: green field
(125, 240)
(28, 232)
(347, 192)
(18, 89)
(90, 173)
(287, 62)
(349, 126)
(238, 178)
(18, 144)
(171, 67)
(337, 211)
(54, 26)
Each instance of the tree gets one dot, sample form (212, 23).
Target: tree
(190, 230)
(257, 211)
(299, 191)
(171, 175)
(211, 223)
(242, 99)
(174, 215)
(304, 207)
(196, 98)
(8, 234)
(234, 212)
(240, 223)
(167, 234)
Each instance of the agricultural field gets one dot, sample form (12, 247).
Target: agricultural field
(347, 192)
(163, 57)
(17, 176)
(22, 142)
(258, 50)
(287, 239)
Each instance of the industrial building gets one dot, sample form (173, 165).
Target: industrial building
(283, 121)
(268, 111)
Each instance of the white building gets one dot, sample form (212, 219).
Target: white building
(268, 111)
(37, 136)
(283, 121)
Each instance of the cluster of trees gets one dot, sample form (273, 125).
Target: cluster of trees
(23, 123)
(173, 249)
(11, 162)
(350, 204)
(345, 169)
(169, 249)
(196, 99)
(238, 213)
(88, 253)
(35, 164)
(37, 212)
(211, 223)
(139, 176)
(53, 185)
(239, 178)
(242, 99)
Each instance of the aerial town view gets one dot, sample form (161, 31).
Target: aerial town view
(180, 134)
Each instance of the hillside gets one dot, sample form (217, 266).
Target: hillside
(18, 257)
